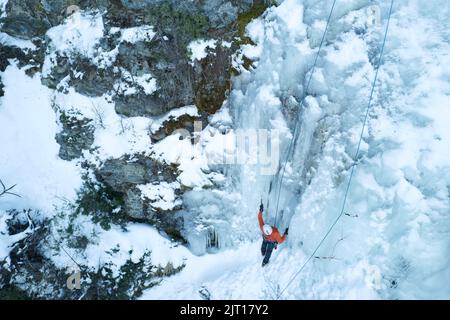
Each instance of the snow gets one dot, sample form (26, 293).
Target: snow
(135, 34)
(29, 155)
(139, 238)
(291, 14)
(6, 241)
(389, 191)
(211, 271)
(8, 40)
(173, 114)
(130, 84)
(147, 83)
(221, 119)
(161, 195)
(80, 33)
(3, 4)
(198, 48)
(116, 246)
(237, 274)
(226, 44)
(352, 51)
(194, 161)
(189, 159)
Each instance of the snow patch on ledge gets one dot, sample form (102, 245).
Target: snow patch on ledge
(135, 34)
(198, 48)
(80, 33)
(173, 115)
(8, 40)
(161, 195)
(129, 84)
(117, 245)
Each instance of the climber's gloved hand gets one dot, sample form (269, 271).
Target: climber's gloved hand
(261, 207)
(286, 231)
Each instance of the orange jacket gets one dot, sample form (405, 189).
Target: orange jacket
(275, 236)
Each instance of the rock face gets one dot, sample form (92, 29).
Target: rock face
(59, 72)
(95, 82)
(142, 4)
(165, 57)
(121, 173)
(212, 80)
(135, 206)
(124, 175)
(77, 135)
(222, 13)
(25, 26)
(170, 68)
(138, 105)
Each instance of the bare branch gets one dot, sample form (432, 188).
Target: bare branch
(99, 115)
(30, 220)
(7, 191)
(13, 194)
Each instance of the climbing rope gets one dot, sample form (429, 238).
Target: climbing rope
(292, 143)
(356, 156)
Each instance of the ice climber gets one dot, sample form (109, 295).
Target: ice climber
(271, 237)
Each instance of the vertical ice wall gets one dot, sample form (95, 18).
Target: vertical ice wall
(399, 198)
